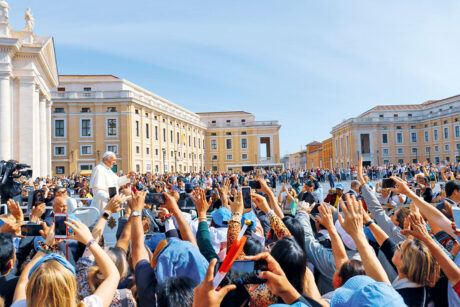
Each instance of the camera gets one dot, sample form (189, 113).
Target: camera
(9, 171)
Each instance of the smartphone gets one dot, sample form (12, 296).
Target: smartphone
(254, 184)
(156, 199)
(456, 213)
(31, 230)
(60, 228)
(243, 272)
(418, 191)
(388, 183)
(246, 191)
(112, 192)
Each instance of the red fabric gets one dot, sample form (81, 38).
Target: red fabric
(457, 288)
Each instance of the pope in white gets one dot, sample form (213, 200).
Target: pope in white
(104, 178)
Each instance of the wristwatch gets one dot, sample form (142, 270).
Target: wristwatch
(136, 213)
(105, 215)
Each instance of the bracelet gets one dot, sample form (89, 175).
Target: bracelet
(91, 242)
(270, 213)
(369, 223)
(167, 216)
(203, 218)
(44, 247)
(43, 251)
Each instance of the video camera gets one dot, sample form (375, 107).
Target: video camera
(9, 171)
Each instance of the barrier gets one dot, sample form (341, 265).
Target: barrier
(88, 215)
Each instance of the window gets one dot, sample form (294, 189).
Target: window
(178, 138)
(400, 161)
(436, 148)
(446, 147)
(113, 148)
(427, 149)
(413, 137)
(194, 142)
(446, 133)
(395, 115)
(156, 151)
(164, 135)
(386, 162)
(213, 144)
(138, 168)
(457, 131)
(156, 168)
(86, 167)
(414, 150)
(147, 131)
(86, 150)
(386, 151)
(427, 137)
(214, 157)
(111, 109)
(384, 138)
(398, 127)
(59, 110)
(189, 140)
(380, 115)
(137, 112)
(228, 133)
(61, 89)
(213, 134)
(138, 150)
(410, 115)
(149, 167)
(85, 110)
(229, 157)
(199, 143)
(59, 150)
(172, 153)
(60, 170)
(400, 150)
(435, 134)
(138, 133)
(436, 159)
(399, 138)
(228, 122)
(228, 144)
(214, 168)
(147, 151)
(86, 128)
(59, 128)
(156, 133)
(244, 156)
(111, 127)
(244, 143)
(171, 136)
(87, 89)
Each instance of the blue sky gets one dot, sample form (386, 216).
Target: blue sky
(309, 64)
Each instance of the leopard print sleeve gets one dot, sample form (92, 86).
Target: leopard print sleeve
(278, 227)
(234, 228)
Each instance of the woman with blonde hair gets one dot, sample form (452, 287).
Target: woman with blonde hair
(49, 279)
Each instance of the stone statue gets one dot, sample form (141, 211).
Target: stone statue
(4, 8)
(30, 21)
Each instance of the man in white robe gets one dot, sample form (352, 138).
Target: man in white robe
(104, 178)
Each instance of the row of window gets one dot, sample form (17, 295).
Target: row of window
(86, 110)
(229, 144)
(60, 170)
(413, 135)
(85, 150)
(386, 151)
(244, 156)
(171, 135)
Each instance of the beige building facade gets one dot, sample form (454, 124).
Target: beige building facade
(400, 134)
(236, 141)
(94, 114)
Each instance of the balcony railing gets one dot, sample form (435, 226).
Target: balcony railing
(95, 94)
(245, 124)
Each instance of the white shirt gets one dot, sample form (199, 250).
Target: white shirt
(89, 301)
(101, 180)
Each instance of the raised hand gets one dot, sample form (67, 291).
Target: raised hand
(115, 203)
(138, 201)
(417, 227)
(353, 213)
(401, 186)
(325, 217)
(237, 206)
(81, 232)
(448, 209)
(199, 198)
(171, 204)
(37, 212)
(15, 210)
(205, 295)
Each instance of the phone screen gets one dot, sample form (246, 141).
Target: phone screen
(456, 213)
(418, 191)
(112, 192)
(254, 184)
(388, 183)
(246, 191)
(156, 199)
(31, 230)
(60, 228)
(244, 272)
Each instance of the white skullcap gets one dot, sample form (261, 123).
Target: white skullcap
(108, 154)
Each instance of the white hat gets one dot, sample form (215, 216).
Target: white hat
(108, 154)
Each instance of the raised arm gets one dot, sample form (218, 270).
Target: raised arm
(137, 230)
(338, 249)
(353, 225)
(113, 206)
(271, 196)
(203, 238)
(433, 215)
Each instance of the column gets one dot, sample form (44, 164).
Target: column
(5, 118)
(43, 137)
(36, 154)
(49, 150)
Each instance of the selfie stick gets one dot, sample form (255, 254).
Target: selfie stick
(231, 256)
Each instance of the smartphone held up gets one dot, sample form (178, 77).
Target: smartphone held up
(60, 227)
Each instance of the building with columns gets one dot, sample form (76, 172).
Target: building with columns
(28, 73)
(93, 114)
(236, 141)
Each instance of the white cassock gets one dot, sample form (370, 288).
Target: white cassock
(101, 180)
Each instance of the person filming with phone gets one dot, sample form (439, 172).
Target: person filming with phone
(105, 182)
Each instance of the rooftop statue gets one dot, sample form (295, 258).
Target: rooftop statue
(30, 21)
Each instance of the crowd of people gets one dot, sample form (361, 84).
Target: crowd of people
(369, 245)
